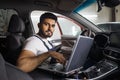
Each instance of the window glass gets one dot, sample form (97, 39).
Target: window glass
(64, 26)
(90, 12)
(104, 27)
(69, 27)
(106, 19)
(5, 15)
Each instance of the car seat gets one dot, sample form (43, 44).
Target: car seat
(14, 39)
(10, 72)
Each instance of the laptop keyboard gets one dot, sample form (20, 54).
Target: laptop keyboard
(56, 67)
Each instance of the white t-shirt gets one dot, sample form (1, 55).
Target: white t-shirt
(36, 45)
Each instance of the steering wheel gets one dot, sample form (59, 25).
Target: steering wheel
(86, 32)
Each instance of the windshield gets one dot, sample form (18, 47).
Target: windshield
(106, 15)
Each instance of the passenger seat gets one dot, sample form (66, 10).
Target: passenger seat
(14, 39)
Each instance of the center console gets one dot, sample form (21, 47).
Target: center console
(102, 68)
(109, 63)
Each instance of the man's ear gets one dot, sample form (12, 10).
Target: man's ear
(38, 25)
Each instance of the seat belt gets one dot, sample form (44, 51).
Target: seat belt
(53, 60)
(44, 42)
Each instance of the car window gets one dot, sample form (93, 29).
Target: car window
(103, 17)
(65, 26)
(104, 27)
(109, 27)
(5, 15)
(115, 27)
(90, 12)
(69, 27)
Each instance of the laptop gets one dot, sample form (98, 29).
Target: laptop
(76, 60)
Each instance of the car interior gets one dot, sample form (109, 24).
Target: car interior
(16, 25)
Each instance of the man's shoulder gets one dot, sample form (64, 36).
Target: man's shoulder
(33, 38)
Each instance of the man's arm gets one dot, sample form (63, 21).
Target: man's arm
(27, 61)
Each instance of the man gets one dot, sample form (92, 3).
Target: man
(36, 49)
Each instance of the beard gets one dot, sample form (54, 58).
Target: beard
(48, 33)
(45, 34)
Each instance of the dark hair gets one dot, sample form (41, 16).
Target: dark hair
(48, 15)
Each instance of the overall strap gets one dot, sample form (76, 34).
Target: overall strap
(44, 42)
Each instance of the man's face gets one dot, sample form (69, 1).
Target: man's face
(47, 27)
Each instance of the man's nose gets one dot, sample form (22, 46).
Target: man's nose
(50, 28)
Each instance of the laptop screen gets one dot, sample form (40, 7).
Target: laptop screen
(79, 53)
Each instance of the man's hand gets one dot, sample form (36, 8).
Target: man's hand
(58, 56)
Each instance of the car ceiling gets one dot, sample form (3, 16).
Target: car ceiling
(24, 7)
(51, 5)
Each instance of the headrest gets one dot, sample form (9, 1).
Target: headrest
(16, 25)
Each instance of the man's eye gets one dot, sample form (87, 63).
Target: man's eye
(45, 23)
(53, 26)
